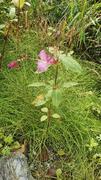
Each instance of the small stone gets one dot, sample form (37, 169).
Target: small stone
(15, 167)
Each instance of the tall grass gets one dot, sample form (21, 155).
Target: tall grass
(77, 22)
(78, 124)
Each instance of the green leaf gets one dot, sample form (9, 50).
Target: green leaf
(6, 151)
(61, 152)
(37, 84)
(1, 1)
(70, 63)
(97, 155)
(56, 116)
(39, 103)
(69, 84)
(12, 12)
(1, 135)
(44, 109)
(56, 97)
(49, 94)
(58, 172)
(99, 137)
(43, 118)
(93, 143)
(1, 145)
(16, 145)
(2, 26)
(8, 139)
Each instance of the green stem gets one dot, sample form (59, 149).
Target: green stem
(48, 126)
(56, 76)
(49, 118)
(18, 17)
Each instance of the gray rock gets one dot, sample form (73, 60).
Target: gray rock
(15, 168)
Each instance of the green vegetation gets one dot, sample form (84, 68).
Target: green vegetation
(71, 142)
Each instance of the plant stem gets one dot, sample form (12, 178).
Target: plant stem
(48, 126)
(18, 24)
(56, 75)
(49, 117)
(4, 45)
(26, 20)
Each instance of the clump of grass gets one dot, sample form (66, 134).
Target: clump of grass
(78, 124)
(76, 24)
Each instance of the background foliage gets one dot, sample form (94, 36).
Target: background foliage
(70, 25)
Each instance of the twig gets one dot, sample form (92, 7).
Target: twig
(4, 45)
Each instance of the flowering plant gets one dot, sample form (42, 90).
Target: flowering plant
(13, 65)
(45, 61)
(53, 89)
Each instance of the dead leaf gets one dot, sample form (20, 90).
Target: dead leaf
(23, 57)
(23, 148)
(44, 155)
(39, 99)
(51, 172)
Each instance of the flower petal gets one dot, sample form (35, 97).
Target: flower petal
(45, 57)
(13, 64)
(42, 66)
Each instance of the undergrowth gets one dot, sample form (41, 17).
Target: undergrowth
(79, 121)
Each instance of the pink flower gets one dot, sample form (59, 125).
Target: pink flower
(44, 62)
(13, 64)
(42, 66)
